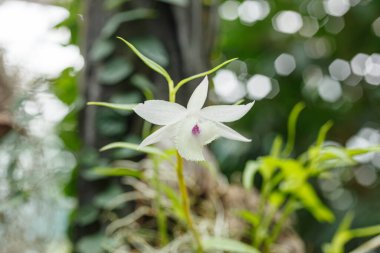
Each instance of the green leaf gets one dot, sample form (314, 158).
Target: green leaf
(101, 49)
(226, 244)
(312, 203)
(115, 71)
(65, 86)
(250, 217)
(112, 4)
(292, 122)
(150, 63)
(86, 215)
(341, 237)
(182, 3)
(186, 80)
(174, 199)
(276, 146)
(323, 132)
(117, 172)
(250, 170)
(91, 244)
(103, 199)
(360, 151)
(344, 235)
(115, 21)
(143, 84)
(132, 146)
(128, 107)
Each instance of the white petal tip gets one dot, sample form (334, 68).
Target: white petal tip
(251, 104)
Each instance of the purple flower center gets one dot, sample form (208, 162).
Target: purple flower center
(196, 131)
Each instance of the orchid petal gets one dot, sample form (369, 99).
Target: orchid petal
(189, 146)
(229, 133)
(208, 132)
(166, 132)
(198, 98)
(160, 112)
(225, 113)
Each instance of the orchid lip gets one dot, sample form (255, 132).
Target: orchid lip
(196, 131)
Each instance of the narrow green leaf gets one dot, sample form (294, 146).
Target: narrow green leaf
(186, 80)
(360, 151)
(276, 146)
(341, 236)
(364, 232)
(127, 107)
(250, 217)
(150, 63)
(175, 200)
(127, 145)
(250, 170)
(225, 244)
(323, 132)
(297, 109)
(117, 172)
(182, 3)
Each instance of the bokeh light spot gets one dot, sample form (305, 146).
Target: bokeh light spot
(259, 86)
(334, 25)
(251, 11)
(372, 69)
(287, 22)
(228, 87)
(365, 175)
(285, 64)
(336, 8)
(376, 26)
(329, 89)
(358, 64)
(340, 69)
(229, 10)
(310, 27)
(318, 47)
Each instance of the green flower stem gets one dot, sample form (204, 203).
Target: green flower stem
(172, 92)
(186, 203)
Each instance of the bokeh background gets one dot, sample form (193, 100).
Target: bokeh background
(56, 55)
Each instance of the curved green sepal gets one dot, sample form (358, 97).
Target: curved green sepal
(150, 63)
(132, 146)
(186, 80)
(126, 107)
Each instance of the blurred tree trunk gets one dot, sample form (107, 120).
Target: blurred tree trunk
(187, 34)
(5, 99)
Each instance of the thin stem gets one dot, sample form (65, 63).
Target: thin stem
(172, 92)
(186, 203)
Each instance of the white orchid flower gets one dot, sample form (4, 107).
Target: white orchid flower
(191, 128)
